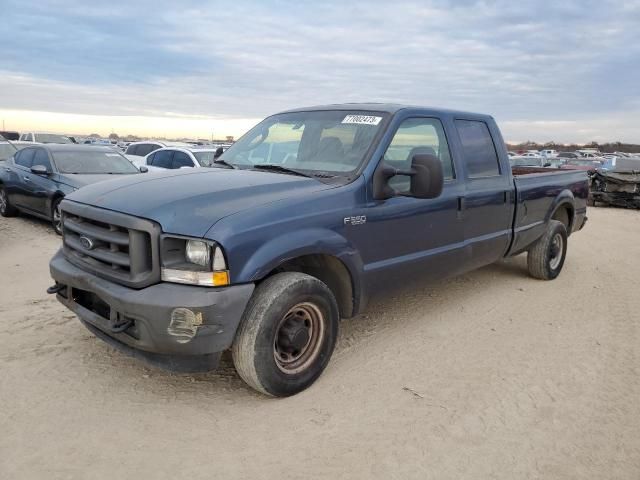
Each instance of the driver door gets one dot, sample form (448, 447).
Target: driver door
(406, 237)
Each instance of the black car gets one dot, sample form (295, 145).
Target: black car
(37, 178)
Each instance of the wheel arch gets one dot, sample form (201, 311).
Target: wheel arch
(563, 210)
(323, 254)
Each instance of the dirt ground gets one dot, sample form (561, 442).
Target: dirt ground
(489, 375)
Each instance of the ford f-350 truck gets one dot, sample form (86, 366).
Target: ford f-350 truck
(304, 219)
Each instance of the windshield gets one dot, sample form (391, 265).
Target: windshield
(319, 142)
(205, 159)
(92, 162)
(52, 138)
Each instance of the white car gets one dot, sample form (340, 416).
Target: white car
(137, 151)
(180, 157)
(548, 153)
(44, 137)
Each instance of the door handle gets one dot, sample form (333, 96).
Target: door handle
(461, 207)
(7, 169)
(26, 179)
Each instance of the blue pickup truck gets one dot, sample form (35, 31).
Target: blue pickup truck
(300, 223)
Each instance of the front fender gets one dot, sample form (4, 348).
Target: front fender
(290, 245)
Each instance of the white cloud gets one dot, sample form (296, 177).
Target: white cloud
(523, 62)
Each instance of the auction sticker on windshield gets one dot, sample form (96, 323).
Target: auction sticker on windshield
(362, 119)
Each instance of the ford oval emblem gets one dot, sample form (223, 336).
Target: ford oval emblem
(86, 242)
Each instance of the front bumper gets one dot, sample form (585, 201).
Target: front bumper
(103, 305)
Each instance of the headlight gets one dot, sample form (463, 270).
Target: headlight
(198, 252)
(193, 262)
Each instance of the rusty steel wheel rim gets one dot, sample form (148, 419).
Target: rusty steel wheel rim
(298, 338)
(557, 245)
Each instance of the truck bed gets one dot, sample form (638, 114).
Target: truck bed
(538, 191)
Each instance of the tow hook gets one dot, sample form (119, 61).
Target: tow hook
(121, 327)
(55, 288)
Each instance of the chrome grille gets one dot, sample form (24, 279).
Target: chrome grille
(110, 244)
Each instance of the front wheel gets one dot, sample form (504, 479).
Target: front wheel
(287, 334)
(56, 217)
(6, 209)
(546, 258)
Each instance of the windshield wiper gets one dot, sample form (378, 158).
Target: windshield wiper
(280, 168)
(226, 164)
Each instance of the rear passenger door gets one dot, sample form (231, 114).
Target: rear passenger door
(487, 206)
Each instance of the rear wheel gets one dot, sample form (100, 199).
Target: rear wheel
(6, 209)
(287, 334)
(56, 217)
(546, 258)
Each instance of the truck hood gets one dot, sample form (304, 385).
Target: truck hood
(190, 201)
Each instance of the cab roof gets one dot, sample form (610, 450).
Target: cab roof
(390, 108)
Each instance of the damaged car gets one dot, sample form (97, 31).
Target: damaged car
(619, 186)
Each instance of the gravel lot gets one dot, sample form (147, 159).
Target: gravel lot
(489, 375)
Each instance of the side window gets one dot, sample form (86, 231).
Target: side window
(150, 159)
(25, 158)
(181, 159)
(479, 151)
(42, 158)
(132, 150)
(417, 136)
(162, 159)
(146, 148)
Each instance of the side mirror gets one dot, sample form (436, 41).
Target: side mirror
(219, 151)
(40, 170)
(143, 169)
(546, 164)
(427, 178)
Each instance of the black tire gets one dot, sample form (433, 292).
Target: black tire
(286, 309)
(6, 209)
(56, 221)
(546, 258)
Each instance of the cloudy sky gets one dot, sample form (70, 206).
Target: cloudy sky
(565, 71)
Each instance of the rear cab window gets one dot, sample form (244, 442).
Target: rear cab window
(478, 150)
